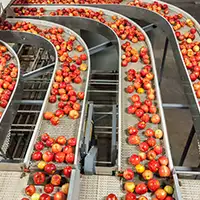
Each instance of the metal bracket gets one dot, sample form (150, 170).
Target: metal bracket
(90, 160)
(39, 72)
(114, 135)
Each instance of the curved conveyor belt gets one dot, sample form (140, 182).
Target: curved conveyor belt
(69, 128)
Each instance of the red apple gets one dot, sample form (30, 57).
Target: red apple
(134, 159)
(141, 188)
(143, 146)
(72, 142)
(151, 155)
(148, 102)
(163, 160)
(153, 185)
(45, 197)
(61, 140)
(158, 149)
(56, 148)
(130, 196)
(141, 125)
(50, 142)
(134, 139)
(139, 113)
(164, 171)
(111, 197)
(39, 178)
(137, 104)
(142, 156)
(45, 137)
(151, 141)
(50, 168)
(169, 198)
(30, 190)
(145, 118)
(147, 174)
(59, 196)
(132, 130)
(60, 157)
(155, 119)
(54, 120)
(131, 109)
(48, 156)
(142, 198)
(160, 194)
(135, 98)
(80, 95)
(74, 114)
(128, 174)
(67, 171)
(149, 132)
(69, 158)
(48, 115)
(153, 165)
(49, 188)
(37, 155)
(59, 113)
(130, 89)
(145, 108)
(39, 146)
(67, 149)
(56, 180)
(52, 99)
(152, 109)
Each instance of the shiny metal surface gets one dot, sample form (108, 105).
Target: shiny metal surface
(97, 27)
(28, 39)
(10, 110)
(75, 127)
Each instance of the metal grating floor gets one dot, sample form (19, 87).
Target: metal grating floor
(12, 186)
(98, 187)
(190, 189)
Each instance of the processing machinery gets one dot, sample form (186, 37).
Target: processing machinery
(101, 54)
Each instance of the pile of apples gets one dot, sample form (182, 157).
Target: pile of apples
(8, 75)
(29, 11)
(55, 151)
(190, 48)
(62, 92)
(67, 1)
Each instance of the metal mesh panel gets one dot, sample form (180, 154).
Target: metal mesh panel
(98, 187)
(128, 119)
(190, 189)
(6, 142)
(12, 186)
